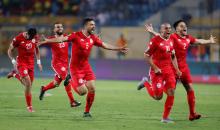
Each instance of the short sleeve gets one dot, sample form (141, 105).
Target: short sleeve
(97, 41)
(15, 42)
(150, 48)
(71, 37)
(192, 39)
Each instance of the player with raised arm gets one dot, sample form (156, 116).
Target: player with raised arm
(182, 41)
(26, 45)
(161, 57)
(83, 78)
(59, 64)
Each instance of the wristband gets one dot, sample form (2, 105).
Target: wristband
(38, 62)
(13, 61)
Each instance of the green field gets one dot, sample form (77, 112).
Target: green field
(118, 106)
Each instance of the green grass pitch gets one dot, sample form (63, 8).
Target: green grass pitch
(118, 106)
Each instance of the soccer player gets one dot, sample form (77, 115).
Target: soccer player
(182, 41)
(83, 78)
(26, 45)
(60, 65)
(160, 55)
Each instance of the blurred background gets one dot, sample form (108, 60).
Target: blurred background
(119, 22)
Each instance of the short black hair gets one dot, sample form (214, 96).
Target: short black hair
(86, 20)
(177, 23)
(32, 32)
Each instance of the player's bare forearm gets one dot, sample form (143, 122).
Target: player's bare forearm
(54, 40)
(149, 28)
(175, 64)
(111, 47)
(206, 41)
(150, 61)
(37, 53)
(10, 49)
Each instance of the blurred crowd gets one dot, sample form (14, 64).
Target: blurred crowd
(108, 12)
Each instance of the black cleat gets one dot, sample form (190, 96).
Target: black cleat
(66, 81)
(141, 83)
(75, 104)
(87, 114)
(42, 92)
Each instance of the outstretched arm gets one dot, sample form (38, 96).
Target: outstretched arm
(149, 28)
(53, 40)
(114, 48)
(212, 39)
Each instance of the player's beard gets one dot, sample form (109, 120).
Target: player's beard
(92, 31)
(59, 33)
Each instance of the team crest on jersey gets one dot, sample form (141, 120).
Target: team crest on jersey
(25, 71)
(81, 40)
(33, 40)
(81, 81)
(187, 40)
(63, 69)
(159, 85)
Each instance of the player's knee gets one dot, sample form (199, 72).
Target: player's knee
(57, 83)
(158, 97)
(170, 92)
(82, 91)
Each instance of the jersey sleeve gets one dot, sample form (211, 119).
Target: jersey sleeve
(97, 41)
(15, 42)
(192, 39)
(151, 48)
(71, 37)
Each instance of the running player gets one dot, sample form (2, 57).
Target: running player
(26, 45)
(60, 65)
(160, 55)
(83, 78)
(182, 41)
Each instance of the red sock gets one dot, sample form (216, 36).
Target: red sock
(89, 101)
(28, 98)
(69, 93)
(74, 86)
(49, 86)
(149, 89)
(191, 102)
(168, 106)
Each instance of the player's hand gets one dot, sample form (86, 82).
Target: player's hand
(179, 73)
(157, 70)
(149, 28)
(40, 67)
(124, 49)
(212, 39)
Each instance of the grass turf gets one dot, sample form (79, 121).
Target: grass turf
(118, 106)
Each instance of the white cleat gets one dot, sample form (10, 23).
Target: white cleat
(168, 120)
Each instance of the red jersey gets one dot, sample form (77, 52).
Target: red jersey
(59, 52)
(26, 49)
(81, 48)
(181, 44)
(160, 49)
